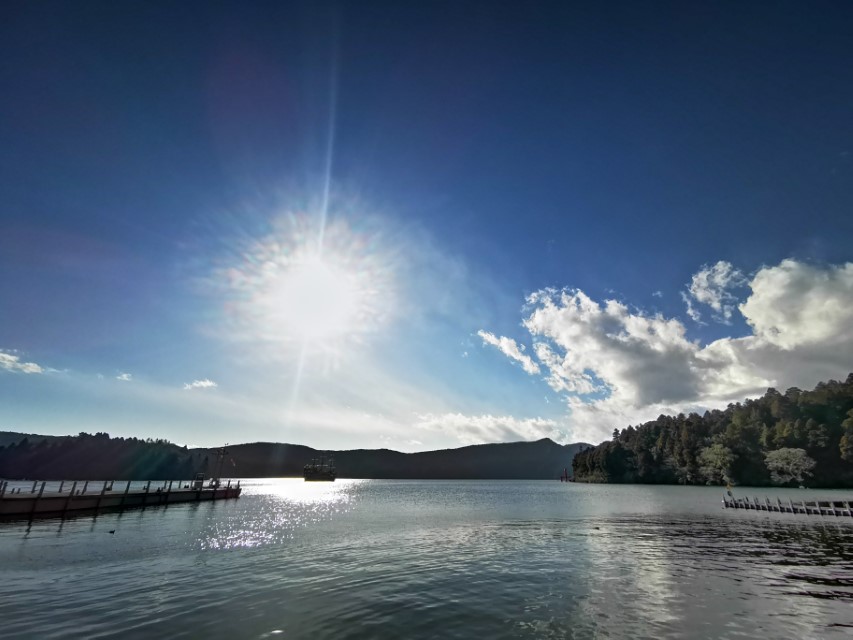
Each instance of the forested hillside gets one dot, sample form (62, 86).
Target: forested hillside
(791, 438)
(85, 457)
(91, 457)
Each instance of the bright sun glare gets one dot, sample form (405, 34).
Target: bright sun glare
(296, 285)
(316, 300)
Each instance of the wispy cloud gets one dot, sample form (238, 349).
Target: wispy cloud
(124, 377)
(712, 286)
(200, 384)
(9, 361)
(511, 349)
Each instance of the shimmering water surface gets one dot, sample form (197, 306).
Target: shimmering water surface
(424, 559)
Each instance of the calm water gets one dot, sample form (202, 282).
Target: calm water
(415, 559)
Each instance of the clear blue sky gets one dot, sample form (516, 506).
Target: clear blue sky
(418, 225)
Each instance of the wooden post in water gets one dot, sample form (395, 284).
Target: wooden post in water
(61, 485)
(3, 489)
(38, 497)
(35, 482)
(124, 496)
(101, 496)
(145, 495)
(68, 499)
(85, 486)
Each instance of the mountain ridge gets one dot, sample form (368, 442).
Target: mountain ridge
(99, 456)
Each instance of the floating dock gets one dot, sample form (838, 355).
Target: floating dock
(88, 496)
(805, 507)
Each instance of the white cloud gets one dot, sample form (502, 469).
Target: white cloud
(711, 286)
(795, 304)
(489, 428)
(124, 377)
(657, 294)
(200, 384)
(617, 366)
(692, 311)
(12, 362)
(511, 349)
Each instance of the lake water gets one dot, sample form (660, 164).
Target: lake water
(434, 559)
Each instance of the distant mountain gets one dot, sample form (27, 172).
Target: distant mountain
(98, 456)
(517, 460)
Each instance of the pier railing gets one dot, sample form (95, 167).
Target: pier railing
(805, 507)
(44, 497)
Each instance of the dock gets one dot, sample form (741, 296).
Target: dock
(805, 507)
(31, 501)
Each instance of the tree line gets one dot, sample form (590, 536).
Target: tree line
(98, 456)
(792, 438)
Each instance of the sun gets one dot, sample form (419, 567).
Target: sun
(299, 285)
(315, 300)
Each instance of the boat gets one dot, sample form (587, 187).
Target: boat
(320, 469)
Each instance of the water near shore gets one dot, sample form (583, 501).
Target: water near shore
(423, 559)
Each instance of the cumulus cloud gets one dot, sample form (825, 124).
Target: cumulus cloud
(124, 377)
(616, 365)
(712, 286)
(796, 304)
(489, 428)
(11, 362)
(511, 349)
(200, 384)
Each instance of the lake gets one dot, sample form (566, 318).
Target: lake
(434, 559)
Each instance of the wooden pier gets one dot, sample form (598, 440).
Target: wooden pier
(805, 507)
(82, 496)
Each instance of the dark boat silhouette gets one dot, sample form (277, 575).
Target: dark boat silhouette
(320, 470)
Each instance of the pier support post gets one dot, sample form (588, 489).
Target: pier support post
(101, 496)
(61, 486)
(85, 486)
(35, 482)
(3, 486)
(124, 496)
(70, 496)
(38, 497)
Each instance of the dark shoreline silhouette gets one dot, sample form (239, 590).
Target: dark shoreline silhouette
(89, 457)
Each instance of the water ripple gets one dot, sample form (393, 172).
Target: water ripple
(424, 560)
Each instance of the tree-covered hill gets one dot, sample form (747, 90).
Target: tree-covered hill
(796, 437)
(86, 457)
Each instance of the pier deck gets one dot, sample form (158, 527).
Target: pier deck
(87, 496)
(805, 507)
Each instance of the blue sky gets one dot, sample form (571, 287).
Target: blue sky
(418, 225)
